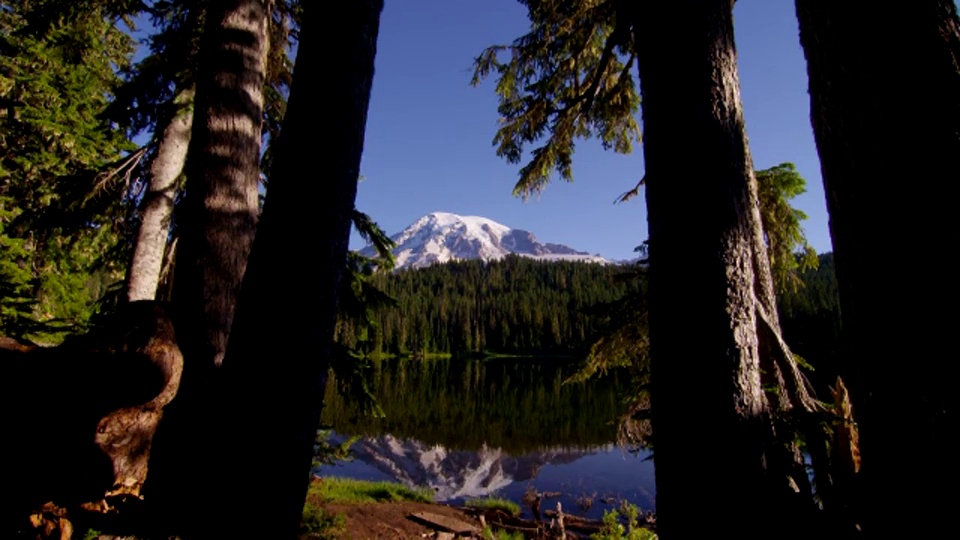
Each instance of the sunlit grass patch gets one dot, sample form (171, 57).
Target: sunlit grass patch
(494, 503)
(490, 534)
(318, 523)
(347, 490)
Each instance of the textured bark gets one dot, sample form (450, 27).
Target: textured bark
(885, 108)
(126, 434)
(157, 207)
(223, 170)
(86, 411)
(712, 310)
(277, 363)
(216, 225)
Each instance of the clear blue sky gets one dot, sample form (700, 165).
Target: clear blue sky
(428, 143)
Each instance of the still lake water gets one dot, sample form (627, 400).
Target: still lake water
(472, 428)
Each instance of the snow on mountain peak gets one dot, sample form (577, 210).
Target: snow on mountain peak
(442, 236)
(456, 473)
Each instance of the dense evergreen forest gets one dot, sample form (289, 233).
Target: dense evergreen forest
(519, 305)
(201, 216)
(514, 305)
(810, 315)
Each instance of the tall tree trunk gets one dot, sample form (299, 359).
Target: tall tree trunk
(157, 207)
(711, 296)
(217, 227)
(223, 170)
(885, 108)
(277, 362)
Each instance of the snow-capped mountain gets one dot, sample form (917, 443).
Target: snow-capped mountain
(441, 237)
(455, 474)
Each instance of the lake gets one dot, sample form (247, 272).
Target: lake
(503, 426)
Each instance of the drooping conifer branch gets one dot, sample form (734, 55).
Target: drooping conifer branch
(567, 79)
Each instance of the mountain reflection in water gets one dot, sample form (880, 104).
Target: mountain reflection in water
(472, 428)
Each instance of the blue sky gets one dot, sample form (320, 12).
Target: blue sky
(428, 142)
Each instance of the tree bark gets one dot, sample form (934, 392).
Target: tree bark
(105, 391)
(157, 207)
(223, 170)
(216, 231)
(712, 308)
(885, 108)
(277, 362)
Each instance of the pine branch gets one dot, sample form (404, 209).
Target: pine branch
(591, 94)
(627, 195)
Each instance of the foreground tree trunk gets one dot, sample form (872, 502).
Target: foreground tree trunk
(217, 224)
(157, 208)
(885, 107)
(105, 391)
(223, 171)
(713, 326)
(277, 363)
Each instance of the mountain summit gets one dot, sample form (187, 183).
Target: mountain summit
(441, 237)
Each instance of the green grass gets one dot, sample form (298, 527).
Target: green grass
(318, 523)
(613, 528)
(346, 490)
(494, 503)
(489, 534)
(430, 356)
(380, 355)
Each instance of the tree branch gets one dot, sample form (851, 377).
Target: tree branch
(602, 65)
(627, 195)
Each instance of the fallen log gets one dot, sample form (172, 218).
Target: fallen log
(444, 523)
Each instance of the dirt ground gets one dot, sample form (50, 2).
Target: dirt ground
(392, 521)
(389, 520)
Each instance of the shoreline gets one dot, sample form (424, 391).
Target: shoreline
(344, 508)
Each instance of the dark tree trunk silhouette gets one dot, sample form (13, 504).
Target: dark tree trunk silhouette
(714, 334)
(223, 169)
(277, 362)
(885, 108)
(216, 230)
(84, 416)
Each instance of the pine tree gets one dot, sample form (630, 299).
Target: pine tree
(900, 154)
(223, 171)
(710, 277)
(277, 361)
(209, 223)
(158, 96)
(216, 223)
(156, 208)
(569, 78)
(787, 246)
(625, 339)
(57, 75)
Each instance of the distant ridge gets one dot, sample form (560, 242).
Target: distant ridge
(441, 237)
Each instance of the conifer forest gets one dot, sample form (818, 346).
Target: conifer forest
(182, 309)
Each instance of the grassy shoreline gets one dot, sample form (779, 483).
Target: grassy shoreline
(347, 490)
(351, 500)
(475, 355)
